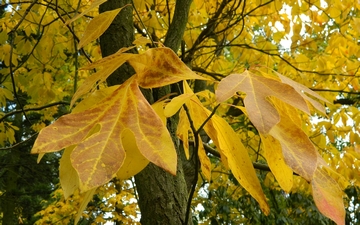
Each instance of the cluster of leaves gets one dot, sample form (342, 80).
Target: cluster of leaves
(264, 46)
(112, 202)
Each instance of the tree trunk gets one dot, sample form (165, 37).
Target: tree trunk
(162, 197)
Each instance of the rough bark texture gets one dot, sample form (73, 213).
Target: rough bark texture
(120, 34)
(162, 197)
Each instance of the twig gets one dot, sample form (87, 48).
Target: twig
(19, 143)
(32, 109)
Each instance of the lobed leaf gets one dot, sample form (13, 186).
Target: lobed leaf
(258, 89)
(97, 158)
(158, 67)
(301, 89)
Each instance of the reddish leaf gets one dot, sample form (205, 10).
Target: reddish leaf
(98, 157)
(328, 196)
(299, 152)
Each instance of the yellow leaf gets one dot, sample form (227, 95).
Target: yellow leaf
(134, 160)
(239, 161)
(98, 157)
(299, 152)
(94, 98)
(95, 4)
(142, 41)
(328, 196)
(159, 109)
(183, 131)
(98, 26)
(86, 198)
(158, 67)
(5, 94)
(233, 153)
(276, 162)
(69, 179)
(109, 64)
(258, 89)
(176, 103)
(205, 161)
(301, 89)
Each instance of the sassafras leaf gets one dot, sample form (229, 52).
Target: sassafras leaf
(258, 89)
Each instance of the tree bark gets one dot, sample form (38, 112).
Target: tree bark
(162, 197)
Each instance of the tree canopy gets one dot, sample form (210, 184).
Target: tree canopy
(238, 107)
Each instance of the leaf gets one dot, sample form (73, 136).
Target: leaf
(182, 131)
(86, 198)
(205, 161)
(95, 4)
(159, 67)
(159, 109)
(328, 196)
(134, 160)
(109, 64)
(258, 90)
(69, 178)
(99, 157)
(98, 26)
(231, 149)
(142, 41)
(94, 98)
(275, 159)
(176, 103)
(301, 89)
(299, 152)
(5, 94)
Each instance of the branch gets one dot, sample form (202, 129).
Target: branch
(212, 74)
(32, 109)
(20, 143)
(215, 153)
(176, 29)
(210, 27)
